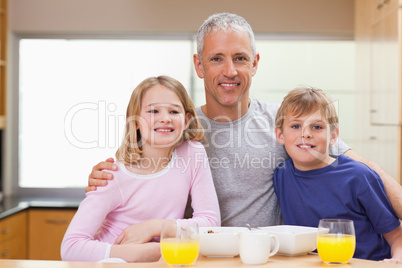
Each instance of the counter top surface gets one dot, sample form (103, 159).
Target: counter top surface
(311, 260)
(12, 205)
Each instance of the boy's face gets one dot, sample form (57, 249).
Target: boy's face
(307, 139)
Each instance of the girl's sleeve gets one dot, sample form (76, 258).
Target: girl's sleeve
(204, 200)
(79, 242)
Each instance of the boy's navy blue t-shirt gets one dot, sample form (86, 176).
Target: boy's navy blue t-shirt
(346, 189)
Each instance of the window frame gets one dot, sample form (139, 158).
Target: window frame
(11, 139)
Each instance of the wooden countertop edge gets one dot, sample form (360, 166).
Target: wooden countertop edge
(13, 205)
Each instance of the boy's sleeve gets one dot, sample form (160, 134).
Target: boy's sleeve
(377, 206)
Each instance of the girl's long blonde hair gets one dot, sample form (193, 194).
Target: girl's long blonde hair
(130, 150)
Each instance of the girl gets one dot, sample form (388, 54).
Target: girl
(160, 162)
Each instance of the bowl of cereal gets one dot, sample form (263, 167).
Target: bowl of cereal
(220, 241)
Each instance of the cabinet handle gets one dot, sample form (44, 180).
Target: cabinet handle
(5, 230)
(5, 253)
(385, 1)
(51, 221)
(378, 6)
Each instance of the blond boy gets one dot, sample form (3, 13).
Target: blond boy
(313, 185)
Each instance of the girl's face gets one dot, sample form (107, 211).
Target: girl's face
(162, 118)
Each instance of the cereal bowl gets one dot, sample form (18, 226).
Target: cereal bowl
(220, 241)
(294, 240)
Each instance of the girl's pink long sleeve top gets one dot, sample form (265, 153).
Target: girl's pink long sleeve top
(131, 198)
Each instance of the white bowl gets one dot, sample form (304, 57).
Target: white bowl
(294, 240)
(221, 242)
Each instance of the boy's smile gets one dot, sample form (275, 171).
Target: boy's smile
(307, 139)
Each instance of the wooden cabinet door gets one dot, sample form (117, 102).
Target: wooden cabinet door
(3, 61)
(46, 231)
(385, 71)
(380, 8)
(13, 238)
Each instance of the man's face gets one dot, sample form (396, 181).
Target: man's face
(227, 67)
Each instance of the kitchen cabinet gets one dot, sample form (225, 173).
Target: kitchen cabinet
(13, 236)
(3, 61)
(46, 231)
(381, 8)
(385, 65)
(378, 31)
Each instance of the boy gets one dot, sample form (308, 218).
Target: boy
(313, 185)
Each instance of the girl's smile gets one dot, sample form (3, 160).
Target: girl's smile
(162, 118)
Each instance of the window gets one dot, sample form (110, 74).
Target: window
(73, 94)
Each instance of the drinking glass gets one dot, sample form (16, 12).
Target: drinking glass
(336, 240)
(180, 243)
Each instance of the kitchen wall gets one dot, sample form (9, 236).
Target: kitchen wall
(314, 18)
(274, 16)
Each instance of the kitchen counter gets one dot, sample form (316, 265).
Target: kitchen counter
(311, 260)
(12, 205)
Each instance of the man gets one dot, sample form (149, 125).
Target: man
(242, 148)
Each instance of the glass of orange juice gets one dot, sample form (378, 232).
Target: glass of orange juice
(336, 240)
(180, 243)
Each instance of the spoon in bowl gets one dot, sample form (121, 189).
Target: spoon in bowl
(251, 227)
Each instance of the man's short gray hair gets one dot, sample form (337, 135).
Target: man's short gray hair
(226, 22)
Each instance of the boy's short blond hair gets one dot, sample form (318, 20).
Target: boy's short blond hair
(306, 100)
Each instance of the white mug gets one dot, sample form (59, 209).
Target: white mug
(255, 247)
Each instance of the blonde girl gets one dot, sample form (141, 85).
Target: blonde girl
(160, 163)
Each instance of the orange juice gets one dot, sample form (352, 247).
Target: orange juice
(178, 251)
(336, 248)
